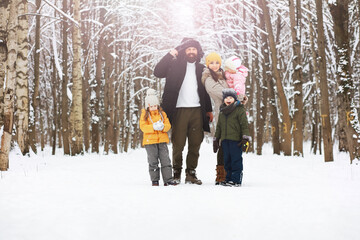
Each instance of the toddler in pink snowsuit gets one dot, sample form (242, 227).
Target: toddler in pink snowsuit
(236, 74)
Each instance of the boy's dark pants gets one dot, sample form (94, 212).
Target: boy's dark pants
(187, 124)
(233, 160)
(156, 152)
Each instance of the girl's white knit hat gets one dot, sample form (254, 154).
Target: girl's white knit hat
(232, 63)
(151, 98)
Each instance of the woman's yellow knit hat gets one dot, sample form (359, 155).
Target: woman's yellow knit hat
(212, 57)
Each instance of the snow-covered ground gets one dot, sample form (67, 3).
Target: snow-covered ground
(94, 197)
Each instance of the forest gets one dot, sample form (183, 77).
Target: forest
(74, 73)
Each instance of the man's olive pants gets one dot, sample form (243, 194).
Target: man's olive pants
(187, 124)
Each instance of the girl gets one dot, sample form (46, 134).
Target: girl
(236, 74)
(213, 78)
(155, 125)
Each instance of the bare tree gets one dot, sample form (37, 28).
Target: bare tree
(325, 112)
(9, 97)
(297, 126)
(286, 144)
(22, 94)
(3, 52)
(64, 87)
(76, 114)
(35, 98)
(347, 112)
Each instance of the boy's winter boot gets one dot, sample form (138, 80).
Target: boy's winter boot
(220, 174)
(177, 176)
(171, 183)
(155, 183)
(191, 177)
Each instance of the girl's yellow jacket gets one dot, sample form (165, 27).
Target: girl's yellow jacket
(150, 135)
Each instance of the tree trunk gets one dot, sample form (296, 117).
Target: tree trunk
(275, 126)
(325, 112)
(297, 125)
(55, 113)
(76, 115)
(314, 136)
(263, 88)
(9, 98)
(95, 121)
(250, 106)
(95, 102)
(348, 120)
(122, 115)
(286, 144)
(317, 101)
(64, 87)
(3, 53)
(41, 120)
(35, 97)
(22, 93)
(86, 29)
(109, 95)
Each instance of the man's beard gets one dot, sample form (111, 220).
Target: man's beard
(191, 57)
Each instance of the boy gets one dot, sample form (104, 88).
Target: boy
(232, 128)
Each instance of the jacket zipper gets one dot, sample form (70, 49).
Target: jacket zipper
(226, 119)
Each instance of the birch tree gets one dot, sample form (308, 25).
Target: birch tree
(22, 94)
(3, 53)
(9, 97)
(76, 115)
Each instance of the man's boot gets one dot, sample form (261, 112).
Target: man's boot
(220, 174)
(177, 176)
(191, 177)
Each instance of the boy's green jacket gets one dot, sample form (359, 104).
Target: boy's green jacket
(232, 123)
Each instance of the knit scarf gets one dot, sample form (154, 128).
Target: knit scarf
(226, 110)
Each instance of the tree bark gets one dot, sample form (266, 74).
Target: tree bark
(35, 98)
(95, 102)
(109, 97)
(263, 88)
(4, 7)
(22, 93)
(348, 120)
(64, 87)
(86, 29)
(55, 113)
(9, 98)
(297, 124)
(76, 115)
(316, 100)
(325, 112)
(286, 142)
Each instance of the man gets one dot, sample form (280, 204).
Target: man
(186, 103)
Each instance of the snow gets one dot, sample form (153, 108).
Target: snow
(98, 196)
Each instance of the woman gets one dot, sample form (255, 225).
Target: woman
(213, 78)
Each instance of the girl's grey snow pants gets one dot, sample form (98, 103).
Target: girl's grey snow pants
(155, 153)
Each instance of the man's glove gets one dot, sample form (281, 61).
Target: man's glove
(215, 144)
(158, 126)
(245, 143)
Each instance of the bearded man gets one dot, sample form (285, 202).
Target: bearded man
(186, 103)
